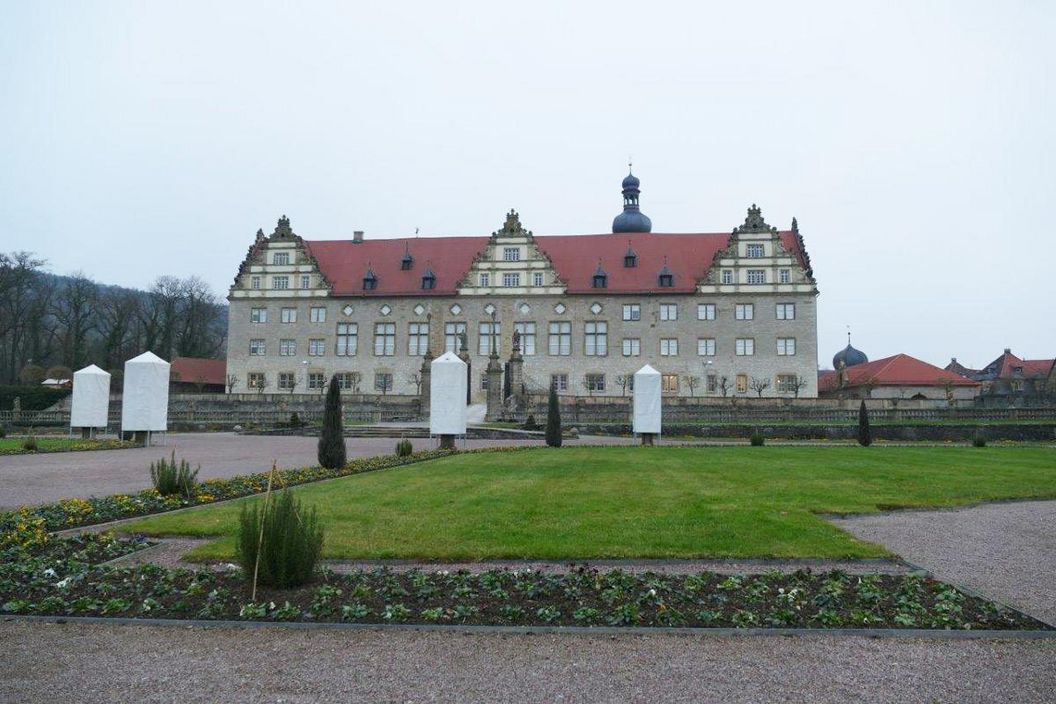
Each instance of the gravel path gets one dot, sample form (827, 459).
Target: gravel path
(1005, 551)
(34, 479)
(97, 663)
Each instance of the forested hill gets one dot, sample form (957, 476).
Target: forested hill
(49, 321)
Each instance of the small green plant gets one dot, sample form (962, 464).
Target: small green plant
(174, 479)
(295, 420)
(404, 448)
(279, 541)
(865, 436)
(979, 440)
(30, 444)
(332, 437)
(529, 423)
(756, 439)
(3, 432)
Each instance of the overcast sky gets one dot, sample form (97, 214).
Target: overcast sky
(913, 141)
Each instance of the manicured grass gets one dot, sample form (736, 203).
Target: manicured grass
(591, 502)
(13, 446)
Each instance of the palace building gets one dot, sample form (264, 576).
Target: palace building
(718, 314)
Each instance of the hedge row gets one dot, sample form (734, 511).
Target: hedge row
(34, 398)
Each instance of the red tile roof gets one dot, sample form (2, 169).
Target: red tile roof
(195, 370)
(898, 370)
(575, 257)
(1007, 364)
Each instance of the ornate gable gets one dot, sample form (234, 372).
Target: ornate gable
(511, 264)
(279, 265)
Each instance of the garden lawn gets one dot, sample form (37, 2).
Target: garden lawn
(624, 502)
(13, 446)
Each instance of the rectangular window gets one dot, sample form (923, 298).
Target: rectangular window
(316, 348)
(511, 280)
(786, 311)
(527, 332)
(452, 336)
(706, 346)
(786, 346)
(383, 382)
(560, 339)
(537, 278)
(254, 282)
(417, 339)
(306, 281)
(258, 315)
(384, 339)
(318, 314)
(559, 382)
(785, 276)
(347, 339)
(742, 383)
(632, 311)
(757, 276)
(288, 315)
(711, 384)
(786, 383)
(668, 311)
(705, 311)
(348, 381)
(287, 348)
(280, 282)
(484, 340)
(744, 311)
(485, 280)
(287, 381)
(669, 383)
(511, 254)
(669, 347)
(596, 338)
(755, 251)
(257, 348)
(727, 276)
(483, 381)
(745, 347)
(632, 347)
(256, 380)
(280, 258)
(594, 382)
(316, 380)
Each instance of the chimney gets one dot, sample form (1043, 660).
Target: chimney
(357, 237)
(1008, 350)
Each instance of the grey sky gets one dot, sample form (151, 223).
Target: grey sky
(914, 141)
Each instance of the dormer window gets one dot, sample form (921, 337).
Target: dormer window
(630, 258)
(665, 279)
(407, 261)
(370, 281)
(429, 280)
(600, 278)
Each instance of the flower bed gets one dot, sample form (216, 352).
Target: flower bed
(60, 581)
(13, 446)
(72, 513)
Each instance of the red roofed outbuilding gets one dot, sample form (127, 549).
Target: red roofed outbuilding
(899, 376)
(198, 375)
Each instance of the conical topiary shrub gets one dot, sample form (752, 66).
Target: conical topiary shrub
(865, 436)
(332, 439)
(553, 421)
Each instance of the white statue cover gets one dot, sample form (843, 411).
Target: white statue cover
(90, 403)
(447, 395)
(145, 399)
(647, 400)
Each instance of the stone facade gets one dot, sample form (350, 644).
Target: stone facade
(745, 327)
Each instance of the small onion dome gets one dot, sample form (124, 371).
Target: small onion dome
(849, 357)
(631, 181)
(632, 221)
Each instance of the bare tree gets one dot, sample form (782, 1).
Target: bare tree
(724, 386)
(73, 310)
(759, 385)
(692, 382)
(624, 381)
(416, 379)
(795, 385)
(232, 382)
(354, 380)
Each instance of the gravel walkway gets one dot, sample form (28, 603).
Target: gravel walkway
(34, 479)
(97, 663)
(1005, 551)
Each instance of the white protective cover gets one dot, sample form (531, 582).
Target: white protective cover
(647, 400)
(90, 404)
(145, 399)
(447, 395)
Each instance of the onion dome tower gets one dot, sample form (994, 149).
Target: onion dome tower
(631, 219)
(848, 356)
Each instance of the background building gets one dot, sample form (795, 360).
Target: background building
(1011, 380)
(718, 314)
